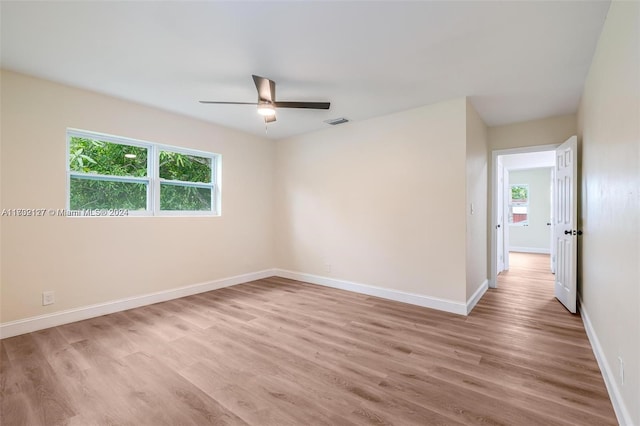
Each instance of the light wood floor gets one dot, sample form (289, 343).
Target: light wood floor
(279, 352)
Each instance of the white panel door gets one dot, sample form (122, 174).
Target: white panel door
(565, 223)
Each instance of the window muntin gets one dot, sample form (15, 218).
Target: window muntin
(519, 205)
(109, 172)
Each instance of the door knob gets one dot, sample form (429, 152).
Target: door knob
(567, 232)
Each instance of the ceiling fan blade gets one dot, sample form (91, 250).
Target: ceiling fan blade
(228, 103)
(266, 88)
(269, 118)
(309, 105)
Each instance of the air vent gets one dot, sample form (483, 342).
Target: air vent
(336, 121)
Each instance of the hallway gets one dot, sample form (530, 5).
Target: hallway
(529, 277)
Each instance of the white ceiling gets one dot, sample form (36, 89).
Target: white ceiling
(516, 60)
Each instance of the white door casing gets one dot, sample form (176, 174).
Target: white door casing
(495, 182)
(499, 219)
(552, 243)
(565, 223)
(506, 213)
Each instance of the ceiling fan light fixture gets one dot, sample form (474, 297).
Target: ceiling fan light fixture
(266, 110)
(267, 104)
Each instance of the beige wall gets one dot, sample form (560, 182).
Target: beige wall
(546, 131)
(379, 202)
(537, 235)
(477, 154)
(609, 122)
(94, 260)
(1, 203)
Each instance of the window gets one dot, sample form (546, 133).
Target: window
(109, 173)
(519, 205)
(185, 181)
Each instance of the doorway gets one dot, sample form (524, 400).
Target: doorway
(512, 206)
(529, 208)
(563, 217)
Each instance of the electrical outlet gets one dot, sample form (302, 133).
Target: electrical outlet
(48, 298)
(621, 370)
(327, 268)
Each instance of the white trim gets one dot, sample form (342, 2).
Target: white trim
(110, 178)
(622, 413)
(86, 134)
(530, 250)
(492, 283)
(525, 168)
(527, 149)
(152, 180)
(27, 325)
(477, 295)
(385, 293)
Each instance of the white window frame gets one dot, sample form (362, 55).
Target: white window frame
(512, 204)
(214, 185)
(152, 179)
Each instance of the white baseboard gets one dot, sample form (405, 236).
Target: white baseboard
(622, 413)
(477, 295)
(27, 325)
(399, 296)
(530, 250)
(492, 283)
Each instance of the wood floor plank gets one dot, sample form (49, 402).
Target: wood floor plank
(282, 352)
(48, 401)
(224, 387)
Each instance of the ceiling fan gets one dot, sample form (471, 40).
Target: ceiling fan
(267, 103)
